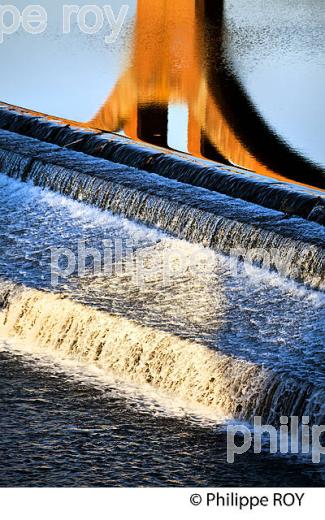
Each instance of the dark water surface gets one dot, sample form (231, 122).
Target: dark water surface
(236, 82)
(61, 431)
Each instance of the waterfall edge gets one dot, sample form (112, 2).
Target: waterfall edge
(291, 246)
(289, 198)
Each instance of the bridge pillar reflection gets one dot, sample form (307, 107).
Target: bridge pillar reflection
(177, 58)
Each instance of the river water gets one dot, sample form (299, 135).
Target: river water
(111, 379)
(130, 338)
(240, 84)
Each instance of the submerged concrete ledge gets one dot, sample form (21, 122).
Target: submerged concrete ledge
(225, 224)
(289, 198)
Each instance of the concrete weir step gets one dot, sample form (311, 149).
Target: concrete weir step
(288, 198)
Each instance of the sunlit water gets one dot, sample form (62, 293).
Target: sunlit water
(70, 417)
(240, 84)
(242, 310)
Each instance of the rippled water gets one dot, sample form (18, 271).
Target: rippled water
(240, 84)
(242, 310)
(128, 376)
(72, 422)
(60, 428)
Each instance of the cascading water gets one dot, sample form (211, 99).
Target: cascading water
(291, 199)
(290, 245)
(185, 369)
(150, 299)
(172, 318)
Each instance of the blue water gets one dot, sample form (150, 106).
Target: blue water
(64, 423)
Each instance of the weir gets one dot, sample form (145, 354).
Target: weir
(292, 199)
(180, 368)
(160, 276)
(292, 246)
(210, 338)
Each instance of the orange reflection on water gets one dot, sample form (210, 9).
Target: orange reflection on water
(167, 66)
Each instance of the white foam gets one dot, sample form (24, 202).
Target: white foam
(141, 396)
(82, 213)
